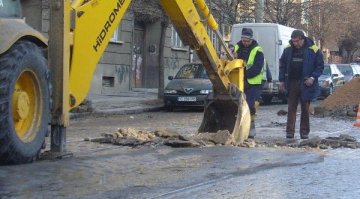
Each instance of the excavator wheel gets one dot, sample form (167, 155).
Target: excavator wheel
(225, 112)
(24, 103)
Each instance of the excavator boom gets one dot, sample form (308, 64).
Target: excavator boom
(80, 31)
(191, 19)
(225, 108)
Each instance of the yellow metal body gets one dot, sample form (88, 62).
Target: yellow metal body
(26, 106)
(11, 30)
(193, 32)
(75, 50)
(235, 71)
(95, 22)
(93, 31)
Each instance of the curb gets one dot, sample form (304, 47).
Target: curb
(102, 113)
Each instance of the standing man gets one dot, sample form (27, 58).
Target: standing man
(249, 50)
(300, 66)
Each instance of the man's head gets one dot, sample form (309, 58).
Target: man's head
(298, 38)
(246, 36)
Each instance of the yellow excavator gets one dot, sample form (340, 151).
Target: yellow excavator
(42, 80)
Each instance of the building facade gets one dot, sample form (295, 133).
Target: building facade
(131, 59)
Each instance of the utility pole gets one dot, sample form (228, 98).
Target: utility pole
(259, 11)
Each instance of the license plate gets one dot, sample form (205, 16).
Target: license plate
(187, 99)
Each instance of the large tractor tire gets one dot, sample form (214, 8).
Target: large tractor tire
(24, 103)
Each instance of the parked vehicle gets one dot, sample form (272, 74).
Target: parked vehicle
(349, 71)
(273, 38)
(330, 80)
(188, 88)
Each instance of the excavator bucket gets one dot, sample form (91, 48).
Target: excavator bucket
(225, 112)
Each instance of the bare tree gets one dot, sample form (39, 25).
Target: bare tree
(349, 41)
(336, 21)
(289, 13)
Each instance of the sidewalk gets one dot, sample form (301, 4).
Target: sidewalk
(127, 102)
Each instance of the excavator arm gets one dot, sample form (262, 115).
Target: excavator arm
(36, 84)
(225, 109)
(93, 31)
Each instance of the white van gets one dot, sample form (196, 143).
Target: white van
(273, 38)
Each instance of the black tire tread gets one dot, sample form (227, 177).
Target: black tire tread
(9, 154)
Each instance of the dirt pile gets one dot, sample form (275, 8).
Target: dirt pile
(348, 96)
(134, 137)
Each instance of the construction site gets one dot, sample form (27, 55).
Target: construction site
(64, 136)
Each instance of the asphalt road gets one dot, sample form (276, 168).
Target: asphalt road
(156, 171)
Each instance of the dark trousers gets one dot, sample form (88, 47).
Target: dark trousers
(252, 93)
(294, 96)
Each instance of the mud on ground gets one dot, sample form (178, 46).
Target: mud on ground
(135, 138)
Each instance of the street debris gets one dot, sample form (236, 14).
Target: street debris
(343, 102)
(84, 107)
(218, 138)
(282, 112)
(133, 137)
(343, 140)
(274, 124)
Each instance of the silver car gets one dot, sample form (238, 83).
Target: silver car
(349, 71)
(330, 80)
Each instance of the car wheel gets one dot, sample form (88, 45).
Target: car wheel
(331, 90)
(169, 108)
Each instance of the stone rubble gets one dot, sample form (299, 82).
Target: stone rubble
(133, 137)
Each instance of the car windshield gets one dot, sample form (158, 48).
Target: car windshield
(346, 70)
(192, 71)
(327, 70)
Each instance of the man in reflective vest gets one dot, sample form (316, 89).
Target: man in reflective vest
(249, 50)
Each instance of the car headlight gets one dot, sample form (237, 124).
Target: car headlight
(170, 91)
(205, 91)
(325, 83)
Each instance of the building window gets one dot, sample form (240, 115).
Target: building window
(116, 38)
(213, 38)
(108, 81)
(175, 39)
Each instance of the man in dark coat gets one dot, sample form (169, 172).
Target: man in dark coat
(300, 66)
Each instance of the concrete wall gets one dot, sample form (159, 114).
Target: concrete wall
(174, 58)
(32, 11)
(113, 72)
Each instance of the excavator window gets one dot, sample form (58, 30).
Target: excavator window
(10, 8)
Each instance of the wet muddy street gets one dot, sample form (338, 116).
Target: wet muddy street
(268, 170)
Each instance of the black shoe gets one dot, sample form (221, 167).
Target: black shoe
(289, 135)
(304, 136)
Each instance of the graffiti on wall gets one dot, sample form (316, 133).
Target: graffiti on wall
(122, 72)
